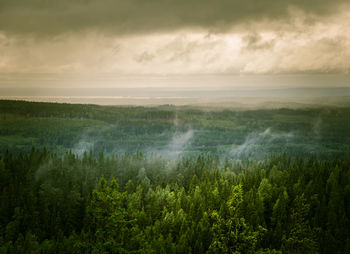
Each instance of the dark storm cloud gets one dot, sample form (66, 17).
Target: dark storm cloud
(47, 17)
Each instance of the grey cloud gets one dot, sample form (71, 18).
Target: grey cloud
(254, 41)
(46, 17)
(184, 49)
(144, 57)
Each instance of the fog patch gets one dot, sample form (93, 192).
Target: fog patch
(317, 126)
(253, 144)
(177, 146)
(43, 169)
(88, 140)
(83, 146)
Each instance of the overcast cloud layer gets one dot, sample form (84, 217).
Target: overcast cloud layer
(138, 37)
(42, 17)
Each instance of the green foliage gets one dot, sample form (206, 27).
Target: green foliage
(301, 238)
(240, 133)
(139, 204)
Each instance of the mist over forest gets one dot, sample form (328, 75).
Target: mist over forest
(88, 178)
(181, 127)
(171, 131)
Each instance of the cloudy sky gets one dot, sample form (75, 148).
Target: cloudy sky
(174, 43)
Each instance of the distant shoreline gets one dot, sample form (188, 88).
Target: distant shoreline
(238, 102)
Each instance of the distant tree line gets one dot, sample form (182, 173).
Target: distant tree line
(60, 127)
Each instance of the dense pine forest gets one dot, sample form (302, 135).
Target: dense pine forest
(172, 131)
(93, 179)
(136, 204)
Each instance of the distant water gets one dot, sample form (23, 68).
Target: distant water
(105, 100)
(335, 96)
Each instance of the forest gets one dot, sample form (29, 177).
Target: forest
(172, 131)
(137, 204)
(216, 181)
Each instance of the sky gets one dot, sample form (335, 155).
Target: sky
(186, 44)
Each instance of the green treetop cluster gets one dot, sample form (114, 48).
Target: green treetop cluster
(141, 204)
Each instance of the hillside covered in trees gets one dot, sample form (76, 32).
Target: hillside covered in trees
(172, 131)
(93, 179)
